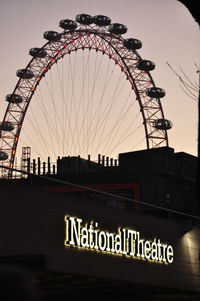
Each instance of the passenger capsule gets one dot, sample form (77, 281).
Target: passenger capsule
(155, 92)
(14, 98)
(162, 124)
(132, 44)
(102, 20)
(37, 52)
(145, 65)
(68, 24)
(52, 36)
(25, 73)
(84, 19)
(6, 126)
(117, 28)
(3, 156)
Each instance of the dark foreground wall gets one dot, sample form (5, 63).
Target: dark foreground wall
(32, 222)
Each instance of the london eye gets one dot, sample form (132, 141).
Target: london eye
(86, 90)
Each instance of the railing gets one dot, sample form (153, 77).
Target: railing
(38, 167)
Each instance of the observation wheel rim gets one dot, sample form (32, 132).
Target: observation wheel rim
(57, 48)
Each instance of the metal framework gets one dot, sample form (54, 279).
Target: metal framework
(25, 160)
(91, 37)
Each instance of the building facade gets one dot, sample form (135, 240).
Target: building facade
(97, 238)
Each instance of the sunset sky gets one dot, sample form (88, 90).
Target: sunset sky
(166, 28)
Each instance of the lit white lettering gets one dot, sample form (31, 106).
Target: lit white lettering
(126, 242)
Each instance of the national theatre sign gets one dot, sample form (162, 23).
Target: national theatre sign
(126, 242)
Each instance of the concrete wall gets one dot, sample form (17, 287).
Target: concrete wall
(32, 222)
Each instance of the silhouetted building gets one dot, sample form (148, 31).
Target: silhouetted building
(156, 176)
(106, 229)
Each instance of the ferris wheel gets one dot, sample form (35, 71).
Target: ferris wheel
(65, 87)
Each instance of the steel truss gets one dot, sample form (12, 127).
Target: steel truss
(89, 37)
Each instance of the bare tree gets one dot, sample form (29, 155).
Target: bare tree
(192, 90)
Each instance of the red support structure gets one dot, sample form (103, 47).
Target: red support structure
(91, 37)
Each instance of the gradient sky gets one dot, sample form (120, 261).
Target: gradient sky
(166, 28)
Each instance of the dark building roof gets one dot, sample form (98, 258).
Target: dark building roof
(163, 177)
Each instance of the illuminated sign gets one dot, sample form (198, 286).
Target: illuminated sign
(126, 242)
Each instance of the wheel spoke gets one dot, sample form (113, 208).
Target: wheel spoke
(78, 117)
